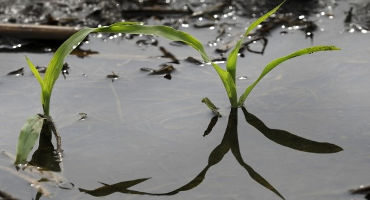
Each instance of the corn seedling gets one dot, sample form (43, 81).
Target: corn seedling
(55, 66)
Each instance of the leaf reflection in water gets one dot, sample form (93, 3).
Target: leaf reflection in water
(229, 142)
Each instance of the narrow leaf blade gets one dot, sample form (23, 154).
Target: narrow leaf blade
(28, 137)
(35, 72)
(172, 34)
(233, 56)
(278, 61)
(56, 63)
(163, 31)
(229, 84)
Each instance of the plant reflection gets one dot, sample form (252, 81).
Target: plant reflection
(229, 142)
(45, 156)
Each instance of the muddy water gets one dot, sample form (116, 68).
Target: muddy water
(149, 129)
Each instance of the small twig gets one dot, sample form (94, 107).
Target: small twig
(167, 54)
(43, 32)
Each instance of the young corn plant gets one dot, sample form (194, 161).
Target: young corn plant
(33, 126)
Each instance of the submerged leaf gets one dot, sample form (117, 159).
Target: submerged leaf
(28, 137)
(278, 61)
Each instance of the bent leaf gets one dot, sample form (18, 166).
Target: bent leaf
(211, 106)
(233, 56)
(290, 140)
(278, 61)
(27, 138)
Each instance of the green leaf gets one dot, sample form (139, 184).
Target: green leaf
(28, 137)
(229, 84)
(211, 106)
(163, 31)
(35, 72)
(278, 61)
(56, 64)
(172, 34)
(233, 56)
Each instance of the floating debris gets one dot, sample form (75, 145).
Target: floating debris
(193, 60)
(365, 190)
(207, 25)
(165, 69)
(113, 76)
(219, 60)
(246, 46)
(167, 54)
(167, 76)
(41, 69)
(81, 53)
(83, 116)
(146, 42)
(65, 70)
(18, 72)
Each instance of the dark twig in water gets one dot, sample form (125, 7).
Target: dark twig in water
(246, 45)
(167, 54)
(361, 190)
(165, 70)
(113, 76)
(41, 69)
(18, 72)
(193, 60)
(65, 70)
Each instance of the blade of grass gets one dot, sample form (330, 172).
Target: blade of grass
(278, 61)
(35, 72)
(56, 63)
(233, 56)
(175, 35)
(163, 31)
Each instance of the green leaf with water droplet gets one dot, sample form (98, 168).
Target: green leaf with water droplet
(27, 138)
(280, 60)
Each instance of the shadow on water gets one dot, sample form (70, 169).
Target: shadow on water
(229, 142)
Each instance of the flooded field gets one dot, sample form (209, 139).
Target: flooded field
(129, 132)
